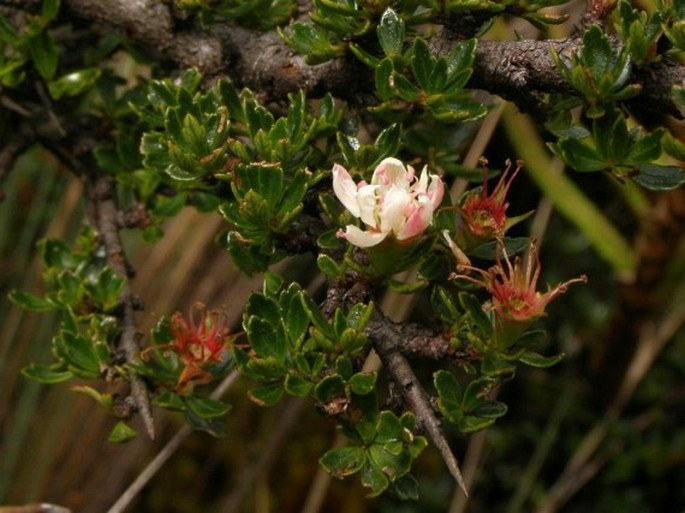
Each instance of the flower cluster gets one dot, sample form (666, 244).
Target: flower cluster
(198, 343)
(513, 286)
(395, 203)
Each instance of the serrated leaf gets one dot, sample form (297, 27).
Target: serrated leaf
(388, 141)
(297, 386)
(660, 178)
(580, 156)
(45, 375)
(328, 266)
(266, 395)
(495, 365)
(204, 407)
(362, 383)
(537, 360)
(105, 400)
(471, 424)
(645, 149)
(382, 76)
(391, 33)
(449, 395)
(422, 63)
(122, 433)
(31, 302)
(316, 316)
(472, 306)
(374, 478)
(343, 461)
(329, 388)
(266, 339)
(491, 250)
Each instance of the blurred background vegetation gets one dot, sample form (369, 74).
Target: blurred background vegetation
(601, 432)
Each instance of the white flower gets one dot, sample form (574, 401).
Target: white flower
(394, 203)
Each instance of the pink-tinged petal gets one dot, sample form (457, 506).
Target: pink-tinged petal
(390, 172)
(368, 204)
(345, 189)
(392, 215)
(422, 184)
(363, 239)
(419, 219)
(436, 190)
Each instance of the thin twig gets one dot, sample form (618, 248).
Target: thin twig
(384, 337)
(167, 451)
(104, 214)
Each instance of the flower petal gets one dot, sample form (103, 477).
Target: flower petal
(392, 215)
(436, 190)
(390, 172)
(345, 189)
(368, 204)
(363, 239)
(419, 220)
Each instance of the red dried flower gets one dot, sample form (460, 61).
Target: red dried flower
(198, 342)
(485, 214)
(514, 286)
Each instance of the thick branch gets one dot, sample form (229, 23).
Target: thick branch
(384, 337)
(104, 214)
(519, 71)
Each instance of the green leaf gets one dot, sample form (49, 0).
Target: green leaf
(204, 407)
(170, 401)
(406, 488)
(328, 266)
(472, 306)
(422, 63)
(105, 400)
(267, 395)
(330, 387)
(391, 33)
(490, 250)
(382, 75)
(31, 302)
(536, 360)
(297, 322)
(645, 149)
(121, 433)
(50, 9)
(316, 316)
(79, 353)
(474, 395)
(580, 156)
(45, 375)
(449, 395)
(494, 364)
(362, 383)
(43, 52)
(660, 178)
(596, 52)
(388, 142)
(389, 428)
(297, 386)
(73, 83)
(343, 461)
(491, 410)
(266, 339)
(471, 424)
(374, 478)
